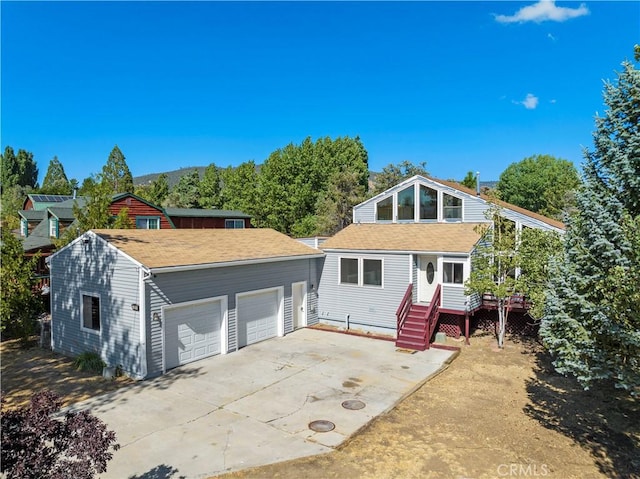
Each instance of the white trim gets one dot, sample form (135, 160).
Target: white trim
(355, 252)
(92, 295)
(304, 304)
(142, 312)
(360, 262)
(280, 295)
(224, 323)
(171, 269)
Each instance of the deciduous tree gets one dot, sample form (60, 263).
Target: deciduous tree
(19, 306)
(36, 443)
(392, 174)
(540, 183)
(210, 190)
(592, 322)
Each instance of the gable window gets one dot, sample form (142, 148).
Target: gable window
(53, 227)
(452, 273)
(361, 271)
(24, 227)
(148, 222)
(348, 270)
(234, 224)
(406, 204)
(428, 203)
(452, 207)
(90, 312)
(384, 209)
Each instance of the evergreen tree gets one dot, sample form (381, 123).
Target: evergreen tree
(592, 322)
(20, 170)
(469, 180)
(186, 193)
(55, 180)
(335, 206)
(210, 190)
(116, 174)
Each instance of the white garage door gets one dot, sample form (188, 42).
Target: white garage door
(192, 331)
(257, 316)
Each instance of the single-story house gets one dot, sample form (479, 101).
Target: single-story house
(148, 301)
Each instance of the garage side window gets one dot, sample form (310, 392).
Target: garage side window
(348, 271)
(90, 312)
(452, 273)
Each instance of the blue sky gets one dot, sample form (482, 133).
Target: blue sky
(459, 85)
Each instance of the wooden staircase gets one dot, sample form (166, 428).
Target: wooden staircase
(417, 322)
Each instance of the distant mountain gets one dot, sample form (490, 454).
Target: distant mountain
(174, 176)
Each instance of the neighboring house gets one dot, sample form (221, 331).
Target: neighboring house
(149, 301)
(46, 217)
(415, 239)
(208, 218)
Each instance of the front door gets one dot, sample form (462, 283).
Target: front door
(427, 278)
(298, 303)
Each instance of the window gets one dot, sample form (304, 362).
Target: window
(148, 222)
(24, 227)
(406, 204)
(452, 273)
(452, 209)
(53, 227)
(361, 271)
(348, 271)
(372, 272)
(428, 203)
(384, 209)
(234, 224)
(90, 312)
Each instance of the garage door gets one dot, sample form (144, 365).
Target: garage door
(192, 331)
(257, 316)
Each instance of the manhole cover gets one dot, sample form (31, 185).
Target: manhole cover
(322, 426)
(353, 404)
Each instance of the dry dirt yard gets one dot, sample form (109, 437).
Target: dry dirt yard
(490, 414)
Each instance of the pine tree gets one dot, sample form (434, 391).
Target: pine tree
(116, 174)
(186, 193)
(592, 322)
(55, 180)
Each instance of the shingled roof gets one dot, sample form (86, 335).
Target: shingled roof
(419, 237)
(187, 247)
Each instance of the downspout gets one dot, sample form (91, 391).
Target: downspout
(143, 275)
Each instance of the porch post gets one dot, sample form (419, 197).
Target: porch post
(466, 327)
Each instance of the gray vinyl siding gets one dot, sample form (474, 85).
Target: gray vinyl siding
(453, 298)
(181, 286)
(365, 212)
(366, 306)
(96, 269)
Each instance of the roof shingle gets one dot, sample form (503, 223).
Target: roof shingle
(424, 237)
(187, 247)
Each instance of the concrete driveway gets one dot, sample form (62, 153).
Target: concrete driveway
(254, 406)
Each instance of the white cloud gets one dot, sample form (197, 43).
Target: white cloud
(551, 37)
(530, 102)
(544, 10)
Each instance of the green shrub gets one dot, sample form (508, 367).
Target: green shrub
(89, 361)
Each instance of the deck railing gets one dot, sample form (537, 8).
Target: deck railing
(405, 305)
(431, 315)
